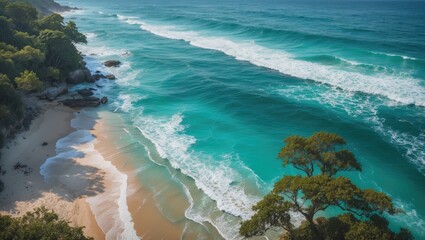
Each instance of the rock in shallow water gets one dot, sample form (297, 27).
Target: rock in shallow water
(104, 100)
(112, 63)
(85, 92)
(110, 77)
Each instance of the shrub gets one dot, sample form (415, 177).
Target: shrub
(28, 81)
(40, 224)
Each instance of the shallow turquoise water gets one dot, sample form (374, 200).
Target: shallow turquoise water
(215, 87)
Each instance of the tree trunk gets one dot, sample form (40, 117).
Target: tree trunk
(317, 233)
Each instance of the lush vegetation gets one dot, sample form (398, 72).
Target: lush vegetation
(46, 7)
(320, 158)
(40, 224)
(35, 51)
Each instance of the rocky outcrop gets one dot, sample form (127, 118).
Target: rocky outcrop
(79, 76)
(97, 76)
(85, 92)
(110, 76)
(52, 93)
(84, 102)
(112, 63)
(104, 100)
(81, 102)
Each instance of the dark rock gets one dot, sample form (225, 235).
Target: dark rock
(52, 93)
(112, 63)
(110, 77)
(82, 102)
(97, 71)
(91, 80)
(79, 76)
(96, 76)
(104, 100)
(44, 144)
(85, 92)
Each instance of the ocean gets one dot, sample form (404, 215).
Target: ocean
(209, 89)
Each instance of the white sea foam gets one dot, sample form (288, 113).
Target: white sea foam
(366, 109)
(395, 55)
(101, 51)
(411, 218)
(126, 74)
(214, 178)
(223, 223)
(115, 221)
(405, 90)
(90, 35)
(126, 101)
(73, 12)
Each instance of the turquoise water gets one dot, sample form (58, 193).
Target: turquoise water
(211, 90)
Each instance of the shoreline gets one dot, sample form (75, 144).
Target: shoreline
(71, 186)
(25, 188)
(67, 191)
(145, 215)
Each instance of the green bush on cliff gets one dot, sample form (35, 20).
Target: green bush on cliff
(34, 51)
(36, 44)
(28, 81)
(40, 224)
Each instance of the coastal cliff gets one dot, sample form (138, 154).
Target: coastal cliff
(47, 7)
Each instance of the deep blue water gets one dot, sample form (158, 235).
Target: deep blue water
(214, 88)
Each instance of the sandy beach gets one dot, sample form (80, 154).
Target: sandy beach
(84, 190)
(148, 220)
(25, 188)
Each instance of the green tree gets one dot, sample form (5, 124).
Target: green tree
(72, 32)
(320, 158)
(40, 224)
(318, 151)
(50, 74)
(22, 39)
(6, 33)
(28, 81)
(7, 65)
(23, 15)
(4, 80)
(29, 58)
(61, 53)
(51, 22)
(3, 4)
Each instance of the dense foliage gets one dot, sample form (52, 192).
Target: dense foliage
(46, 7)
(319, 188)
(40, 224)
(35, 51)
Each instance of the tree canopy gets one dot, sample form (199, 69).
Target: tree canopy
(40, 224)
(34, 52)
(318, 188)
